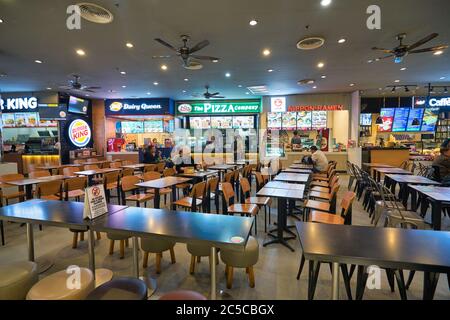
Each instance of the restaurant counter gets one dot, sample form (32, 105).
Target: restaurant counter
(23, 161)
(391, 156)
(339, 157)
(124, 156)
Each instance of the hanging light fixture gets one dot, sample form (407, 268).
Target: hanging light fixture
(379, 120)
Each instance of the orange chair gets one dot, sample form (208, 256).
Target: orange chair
(129, 184)
(259, 201)
(195, 199)
(246, 209)
(329, 218)
(52, 190)
(20, 195)
(39, 174)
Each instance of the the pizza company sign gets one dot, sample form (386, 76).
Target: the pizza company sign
(80, 133)
(335, 107)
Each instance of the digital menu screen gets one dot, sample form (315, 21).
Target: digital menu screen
(132, 127)
(200, 122)
(77, 105)
(400, 119)
(8, 120)
(365, 119)
(417, 114)
(274, 120)
(319, 120)
(304, 120)
(289, 121)
(244, 122)
(430, 119)
(222, 122)
(154, 126)
(387, 115)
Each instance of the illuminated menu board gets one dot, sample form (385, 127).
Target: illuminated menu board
(274, 120)
(319, 120)
(244, 122)
(400, 119)
(304, 120)
(222, 122)
(289, 121)
(365, 119)
(387, 115)
(155, 126)
(200, 122)
(132, 127)
(417, 114)
(430, 119)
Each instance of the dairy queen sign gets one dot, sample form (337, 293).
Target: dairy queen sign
(79, 133)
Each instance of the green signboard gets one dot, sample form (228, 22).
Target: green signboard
(219, 107)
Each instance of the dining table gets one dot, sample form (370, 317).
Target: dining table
(301, 166)
(370, 167)
(51, 168)
(384, 170)
(222, 168)
(293, 177)
(199, 175)
(95, 172)
(303, 171)
(137, 166)
(29, 182)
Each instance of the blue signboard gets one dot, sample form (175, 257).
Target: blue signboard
(415, 114)
(430, 119)
(152, 107)
(400, 119)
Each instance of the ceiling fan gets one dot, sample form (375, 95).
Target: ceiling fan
(403, 50)
(186, 53)
(209, 95)
(77, 86)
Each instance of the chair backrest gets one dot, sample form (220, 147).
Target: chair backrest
(92, 160)
(229, 176)
(245, 186)
(198, 191)
(228, 192)
(236, 175)
(78, 161)
(347, 202)
(212, 185)
(112, 177)
(127, 172)
(76, 183)
(160, 167)
(50, 188)
(129, 183)
(91, 167)
(127, 163)
(149, 167)
(151, 175)
(259, 180)
(70, 171)
(39, 174)
(335, 189)
(11, 177)
(115, 165)
(169, 172)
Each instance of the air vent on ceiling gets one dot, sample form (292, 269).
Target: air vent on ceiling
(305, 82)
(95, 13)
(310, 43)
(258, 89)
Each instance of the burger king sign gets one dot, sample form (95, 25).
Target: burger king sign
(80, 133)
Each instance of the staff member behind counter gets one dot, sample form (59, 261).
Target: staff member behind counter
(296, 140)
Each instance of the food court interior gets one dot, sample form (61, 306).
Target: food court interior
(105, 106)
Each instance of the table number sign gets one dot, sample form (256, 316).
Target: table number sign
(95, 202)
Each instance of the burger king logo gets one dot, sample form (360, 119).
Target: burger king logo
(80, 133)
(116, 106)
(185, 108)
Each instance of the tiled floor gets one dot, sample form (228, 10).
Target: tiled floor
(275, 271)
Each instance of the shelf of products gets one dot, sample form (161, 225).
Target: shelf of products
(442, 130)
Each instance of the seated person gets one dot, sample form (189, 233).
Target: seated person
(319, 160)
(181, 160)
(443, 162)
(151, 156)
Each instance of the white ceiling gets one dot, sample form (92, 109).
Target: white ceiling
(37, 30)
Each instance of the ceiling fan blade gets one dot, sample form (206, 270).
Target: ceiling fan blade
(384, 50)
(87, 90)
(385, 57)
(215, 94)
(442, 47)
(199, 46)
(161, 57)
(423, 41)
(218, 97)
(168, 45)
(65, 87)
(205, 58)
(92, 88)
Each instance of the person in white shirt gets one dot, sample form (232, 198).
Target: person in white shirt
(319, 159)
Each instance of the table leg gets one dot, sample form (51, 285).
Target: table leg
(29, 191)
(413, 193)
(405, 194)
(213, 273)
(30, 239)
(157, 199)
(135, 257)
(281, 227)
(335, 284)
(436, 214)
(174, 197)
(91, 251)
(430, 280)
(90, 180)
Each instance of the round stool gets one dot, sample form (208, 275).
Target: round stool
(241, 259)
(120, 289)
(183, 295)
(16, 279)
(55, 286)
(197, 251)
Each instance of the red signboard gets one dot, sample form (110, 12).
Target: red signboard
(335, 107)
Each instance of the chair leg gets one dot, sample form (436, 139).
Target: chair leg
(75, 240)
(401, 284)
(127, 243)
(346, 277)
(81, 236)
(410, 278)
(199, 259)
(192, 267)
(172, 256)
(265, 219)
(111, 247)
(99, 235)
(2, 231)
(230, 277)
(390, 276)
(158, 262)
(302, 264)
(145, 260)
(122, 249)
(251, 277)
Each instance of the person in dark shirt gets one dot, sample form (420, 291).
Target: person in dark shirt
(442, 162)
(151, 156)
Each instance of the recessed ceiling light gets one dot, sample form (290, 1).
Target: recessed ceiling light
(81, 52)
(342, 40)
(397, 81)
(49, 88)
(87, 95)
(186, 79)
(315, 87)
(123, 73)
(129, 45)
(240, 86)
(438, 53)
(247, 93)
(227, 74)
(403, 69)
(352, 84)
(325, 3)
(124, 87)
(380, 89)
(377, 59)
(215, 60)
(164, 67)
(369, 61)
(184, 91)
(253, 22)
(442, 78)
(323, 77)
(269, 70)
(266, 52)
(155, 83)
(149, 93)
(1, 20)
(320, 65)
(38, 61)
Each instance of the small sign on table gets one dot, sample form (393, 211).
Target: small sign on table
(95, 202)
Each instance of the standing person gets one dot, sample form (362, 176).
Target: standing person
(442, 162)
(181, 160)
(319, 160)
(296, 140)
